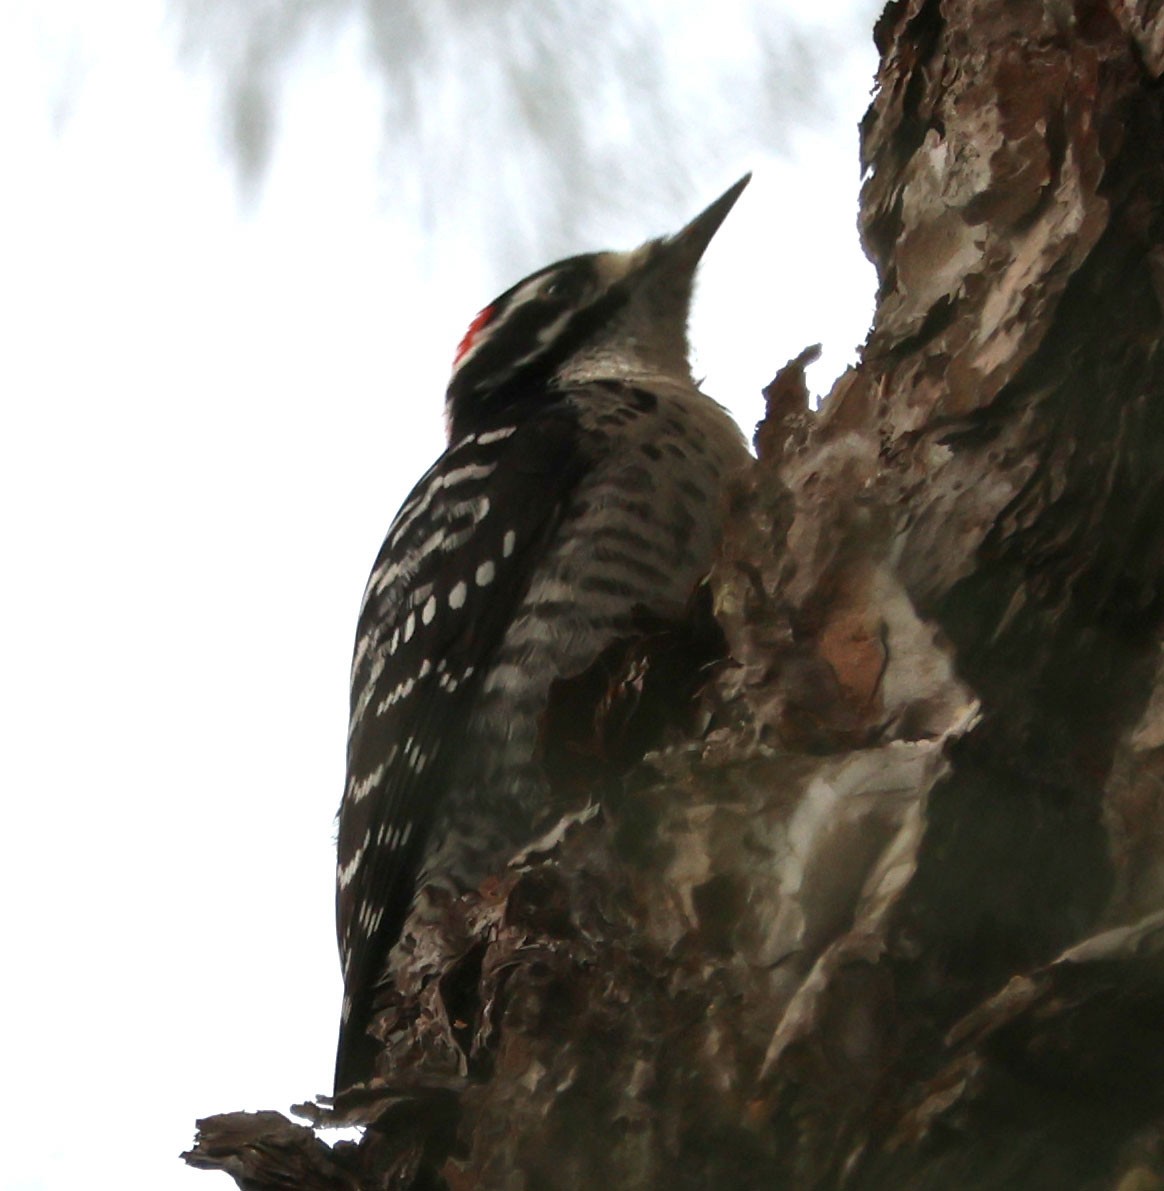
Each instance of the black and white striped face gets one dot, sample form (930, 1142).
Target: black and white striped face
(622, 312)
(515, 345)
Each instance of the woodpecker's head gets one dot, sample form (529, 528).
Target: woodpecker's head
(607, 315)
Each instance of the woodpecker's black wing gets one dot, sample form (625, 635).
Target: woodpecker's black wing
(452, 569)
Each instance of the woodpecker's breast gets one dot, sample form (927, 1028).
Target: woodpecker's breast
(638, 533)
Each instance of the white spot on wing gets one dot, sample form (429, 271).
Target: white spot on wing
(366, 689)
(433, 542)
(346, 872)
(413, 509)
(471, 471)
(415, 758)
(429, 610)
(457, 596)
(485, 573)
(450, 684)
(491, 436)
(360, 790)
(476, 508)
(410, 626)
(410, 512)
(400, 692)
(507, 543)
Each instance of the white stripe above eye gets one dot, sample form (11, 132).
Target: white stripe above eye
(483, 333)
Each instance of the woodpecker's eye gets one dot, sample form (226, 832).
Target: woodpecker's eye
(566, 286)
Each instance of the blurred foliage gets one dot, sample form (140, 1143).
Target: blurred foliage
(548, 105)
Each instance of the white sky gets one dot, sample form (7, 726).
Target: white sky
(209, 418)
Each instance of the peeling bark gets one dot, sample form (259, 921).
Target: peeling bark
(890, 914)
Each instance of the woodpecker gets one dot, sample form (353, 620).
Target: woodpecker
(581, 487)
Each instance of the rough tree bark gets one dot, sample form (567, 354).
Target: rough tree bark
(894, 916)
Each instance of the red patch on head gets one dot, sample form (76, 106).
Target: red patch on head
(470, 335)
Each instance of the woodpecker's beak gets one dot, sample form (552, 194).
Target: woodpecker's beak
(691, 242)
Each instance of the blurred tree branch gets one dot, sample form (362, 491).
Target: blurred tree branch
(532, 113)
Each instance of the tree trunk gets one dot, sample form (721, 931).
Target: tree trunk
(894, 916)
